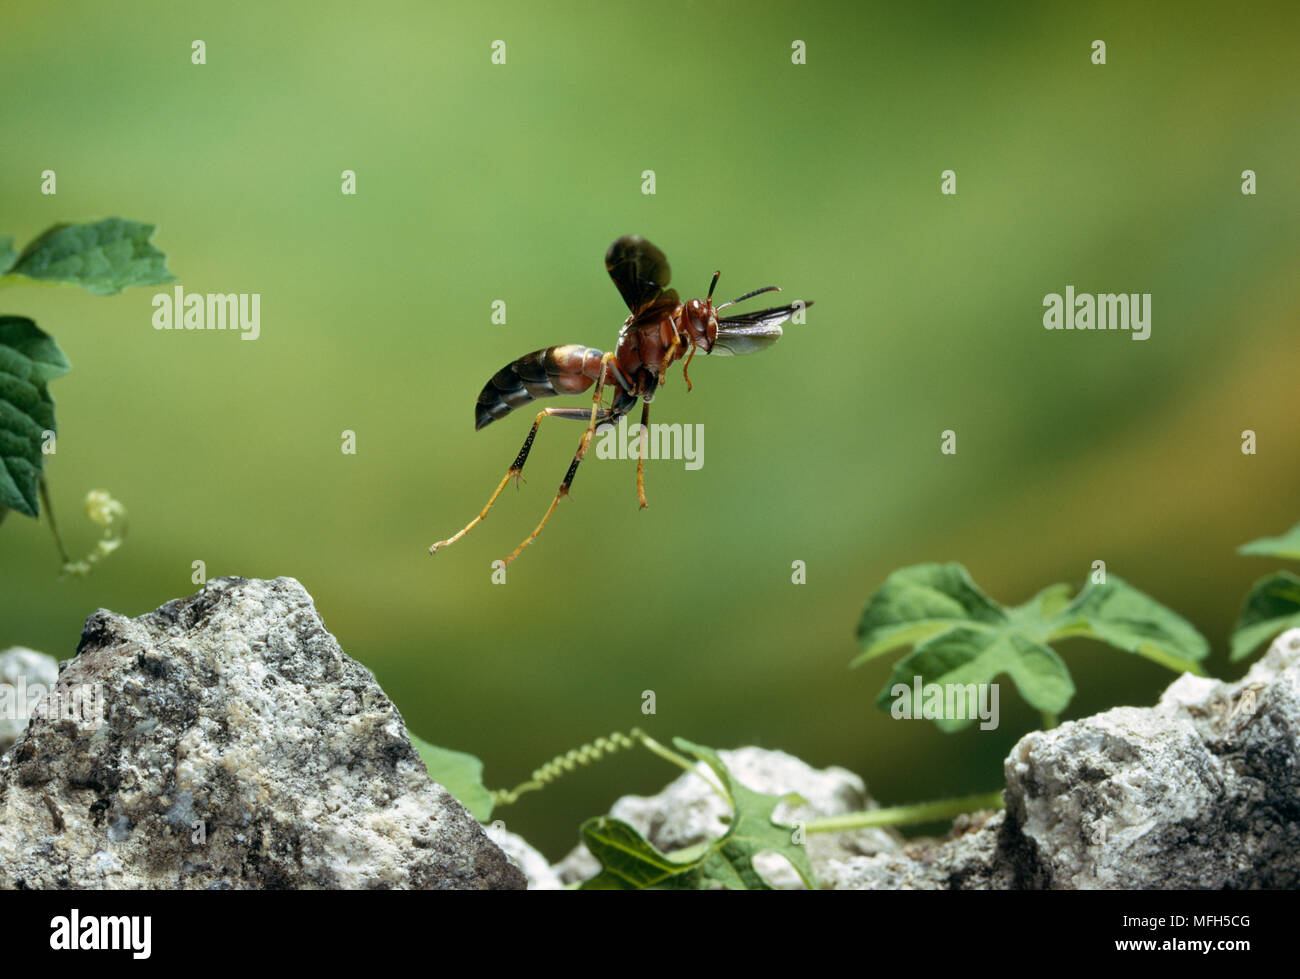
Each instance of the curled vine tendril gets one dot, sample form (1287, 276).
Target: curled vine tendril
(570, 760)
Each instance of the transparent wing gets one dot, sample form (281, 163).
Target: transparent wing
(749, 333)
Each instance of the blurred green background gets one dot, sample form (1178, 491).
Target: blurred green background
(480, 182)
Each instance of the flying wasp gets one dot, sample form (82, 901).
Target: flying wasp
(659, 330)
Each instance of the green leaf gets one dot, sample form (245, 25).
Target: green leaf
(961, 636)
(1120, 615)
(962, 656)
(7, 253)
(1286, 546)
(458, 773)
(1047, 604)
(923, 600)
(630, 862)
(29, 360)
(103, 257)
(1273, 606)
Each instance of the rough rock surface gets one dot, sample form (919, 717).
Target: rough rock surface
(239, 748)
(21, 666)
(688, 812)
(526, 857)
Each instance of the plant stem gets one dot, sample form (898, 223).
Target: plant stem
(923, 812)
(49, 512)
(1170, 662)
(684, 763)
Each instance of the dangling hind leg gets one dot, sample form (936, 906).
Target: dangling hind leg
(640, 457)
(517, 468)
(598, 416)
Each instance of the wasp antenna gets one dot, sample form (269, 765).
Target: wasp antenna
(713, 284)
(750, 295)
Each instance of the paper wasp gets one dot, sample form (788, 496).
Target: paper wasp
(660, 330)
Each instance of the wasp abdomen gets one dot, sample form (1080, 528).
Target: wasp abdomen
(566, 369)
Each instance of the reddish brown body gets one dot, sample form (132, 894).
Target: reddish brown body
(649, 343)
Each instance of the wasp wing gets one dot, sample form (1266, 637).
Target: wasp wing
(639, 270)
(749, 333)
(567, 369)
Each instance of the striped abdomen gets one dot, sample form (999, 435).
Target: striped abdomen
(567, 369)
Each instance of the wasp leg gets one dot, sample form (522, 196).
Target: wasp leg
(640, 459)
(517, 468)
(597, 417)
(686, 365)
(673, 353)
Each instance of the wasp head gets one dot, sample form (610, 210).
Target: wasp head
(700, 320)
(700, 323)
